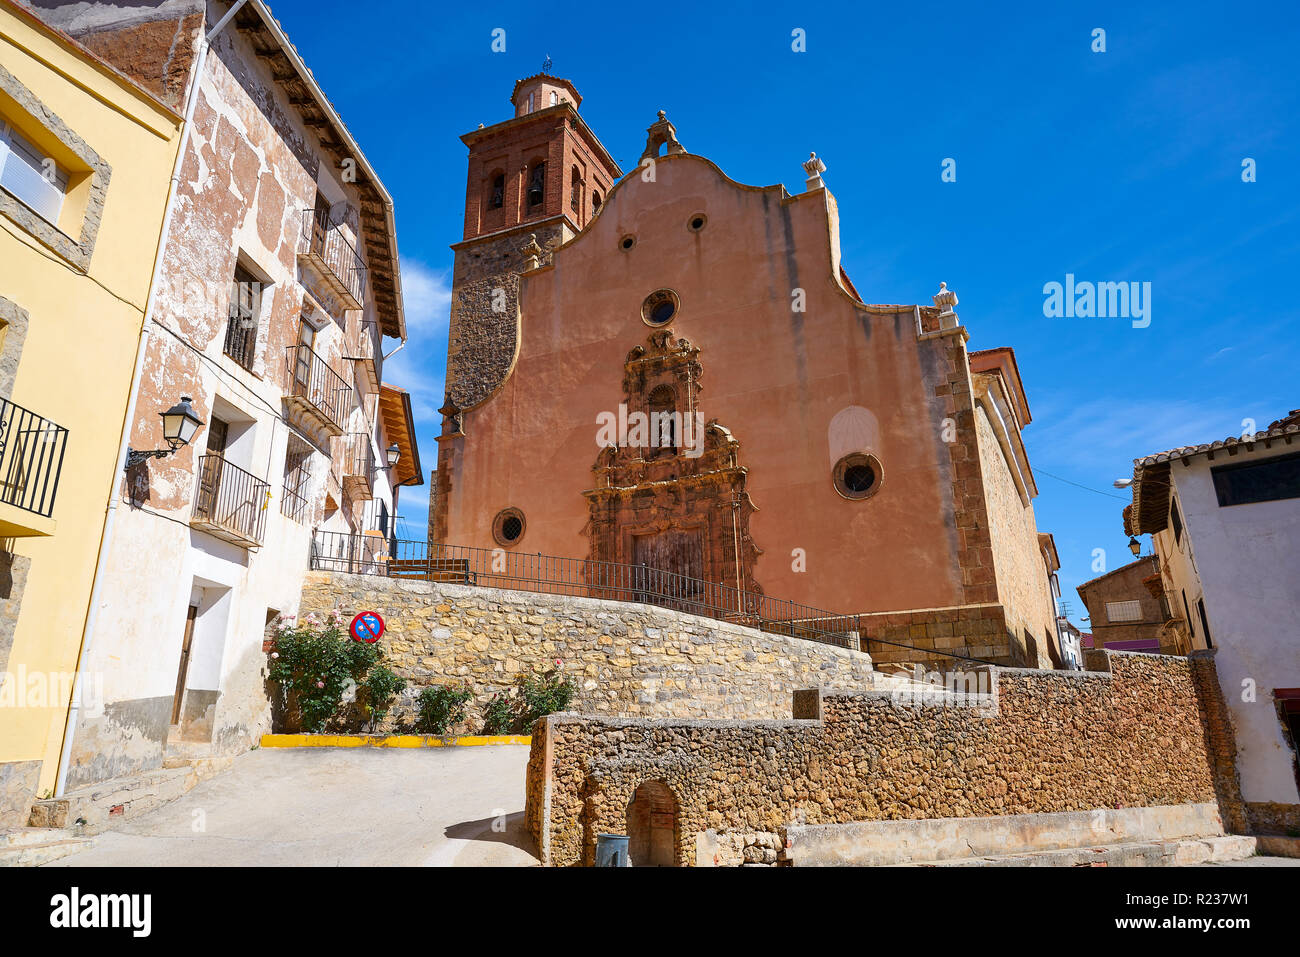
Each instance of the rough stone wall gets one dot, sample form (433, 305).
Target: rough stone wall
(18, 783)
(481, 339)
(1220, 742)
(1019, 573)
(969, 517)
(152, 42)
(1266, 817)
(971, 631)
(628, 659)
(1043, 742)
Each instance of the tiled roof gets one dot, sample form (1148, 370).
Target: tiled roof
(1150, 509)
(1290, 425)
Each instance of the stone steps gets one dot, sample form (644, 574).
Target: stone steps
(34, 846)
(98, 807)
(1214, 849)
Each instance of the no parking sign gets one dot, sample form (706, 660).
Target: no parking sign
(367, 626)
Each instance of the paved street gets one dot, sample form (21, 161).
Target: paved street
(337, 806)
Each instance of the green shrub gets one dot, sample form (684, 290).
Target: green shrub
(315, 663)
(544, 693)
(499, 716)
(441, 706)
(378, 691)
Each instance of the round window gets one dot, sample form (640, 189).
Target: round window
(508, 527)
(857, 476)
(660, 307)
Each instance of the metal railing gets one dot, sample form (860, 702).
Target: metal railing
(611, 581)
(358, 456)
(293, 501)
(328, 245)
(230, 499)
(363, 342)
(312, 380)
(31, 459)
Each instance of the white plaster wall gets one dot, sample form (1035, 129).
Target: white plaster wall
(156, 560)
(1248, 559)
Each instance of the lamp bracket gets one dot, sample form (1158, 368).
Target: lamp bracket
(135, 456)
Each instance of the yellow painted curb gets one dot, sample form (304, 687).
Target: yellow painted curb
(389, 740)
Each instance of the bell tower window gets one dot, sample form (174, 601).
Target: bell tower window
(537, 184)
(497, 198)
(575, 191)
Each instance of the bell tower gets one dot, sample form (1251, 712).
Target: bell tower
(541, 175)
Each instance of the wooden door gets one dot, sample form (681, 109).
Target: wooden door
(210, 472)
(190, 617)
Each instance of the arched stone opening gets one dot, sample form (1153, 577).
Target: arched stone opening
(652, 821)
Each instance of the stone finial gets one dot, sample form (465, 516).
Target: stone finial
(533, 252)
(946, 299)
(660, 132)
(814, 168)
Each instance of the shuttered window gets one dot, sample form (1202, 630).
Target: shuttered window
(1117, 611)
(30, 176)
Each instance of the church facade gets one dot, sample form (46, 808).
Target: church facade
(667, 367)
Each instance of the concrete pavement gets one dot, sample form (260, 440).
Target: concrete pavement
(337, 806)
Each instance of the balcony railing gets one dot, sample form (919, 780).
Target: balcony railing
(363, 346)
(358, 462)
(230, 503)
(334, 258)
(31, 459)
(317, 391)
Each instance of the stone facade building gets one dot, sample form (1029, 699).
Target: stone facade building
(673, 369)
(1128, 612)
(277, 286)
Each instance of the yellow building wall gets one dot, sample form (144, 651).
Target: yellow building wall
(78, 358)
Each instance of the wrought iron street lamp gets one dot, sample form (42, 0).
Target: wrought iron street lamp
(393, 454)
(180, 423)
(1134, 546)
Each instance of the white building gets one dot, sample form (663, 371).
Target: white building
(1225, 524)
(277, 283)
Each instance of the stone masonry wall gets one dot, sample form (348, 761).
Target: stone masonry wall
(1042, 742)
(628, 659)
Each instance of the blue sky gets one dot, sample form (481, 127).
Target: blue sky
(1117, 166)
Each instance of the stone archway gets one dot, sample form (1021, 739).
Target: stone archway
(652, 826)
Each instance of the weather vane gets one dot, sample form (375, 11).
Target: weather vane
(546, 64)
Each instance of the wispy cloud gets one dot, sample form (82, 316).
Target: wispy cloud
(419, 369)
(1104, 436)
(427, 294)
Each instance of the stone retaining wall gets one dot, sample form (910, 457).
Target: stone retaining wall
(1041, 742)
(627, 659)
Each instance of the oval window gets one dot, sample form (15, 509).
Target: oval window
(508, 527)
(660, 307)
(857, 476)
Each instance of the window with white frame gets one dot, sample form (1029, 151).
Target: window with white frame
(1117, 611)
(31, 177)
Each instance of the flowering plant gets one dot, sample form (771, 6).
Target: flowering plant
(315, 663)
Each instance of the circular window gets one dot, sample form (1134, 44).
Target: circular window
(696, 222)
(508, 527)
(626, 243)
(660, 307)
(857, 476)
